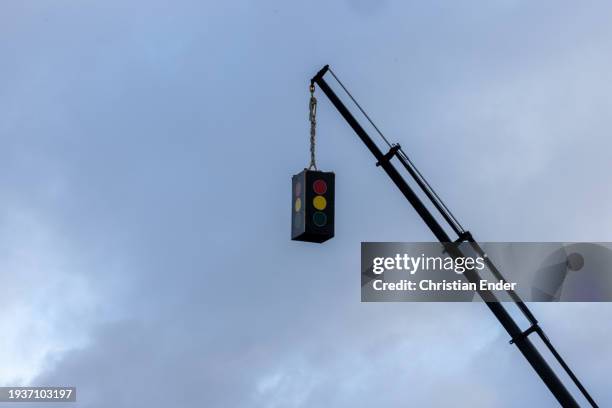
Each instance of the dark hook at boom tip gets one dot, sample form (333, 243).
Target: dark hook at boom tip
(320, 74)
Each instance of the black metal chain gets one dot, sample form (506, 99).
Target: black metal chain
(313, 127)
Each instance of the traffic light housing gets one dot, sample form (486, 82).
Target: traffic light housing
(312, 206)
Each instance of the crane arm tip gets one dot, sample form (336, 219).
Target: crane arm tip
(319, 74)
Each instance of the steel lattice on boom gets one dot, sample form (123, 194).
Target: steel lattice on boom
(518, 337)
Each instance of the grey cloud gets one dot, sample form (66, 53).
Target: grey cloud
(158, 141)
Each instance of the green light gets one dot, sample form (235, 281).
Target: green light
(319, 219)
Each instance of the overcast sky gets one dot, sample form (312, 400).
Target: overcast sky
(146, 156)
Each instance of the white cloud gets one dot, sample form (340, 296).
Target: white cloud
(45, 302)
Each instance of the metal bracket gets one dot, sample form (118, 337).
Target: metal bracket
(464, 236)
(389, 155)
(533, 328)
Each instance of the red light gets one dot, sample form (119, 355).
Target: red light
(319, 187)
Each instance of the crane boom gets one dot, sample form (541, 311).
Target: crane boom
(518, 337)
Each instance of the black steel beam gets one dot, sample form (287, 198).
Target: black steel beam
(525, 346)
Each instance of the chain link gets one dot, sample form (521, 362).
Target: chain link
(313, 127)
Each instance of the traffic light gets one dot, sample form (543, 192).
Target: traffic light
(312, 209)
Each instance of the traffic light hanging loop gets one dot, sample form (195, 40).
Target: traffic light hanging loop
(313, 127)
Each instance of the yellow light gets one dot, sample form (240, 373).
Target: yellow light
(319, 202)
(298, 204)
